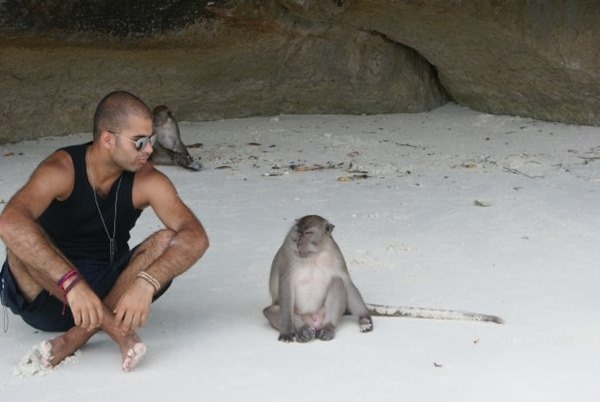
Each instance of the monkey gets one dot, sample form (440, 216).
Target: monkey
(311, 288)
(169, 149)
(310, 285)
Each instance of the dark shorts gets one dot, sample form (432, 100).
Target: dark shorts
(46, 312)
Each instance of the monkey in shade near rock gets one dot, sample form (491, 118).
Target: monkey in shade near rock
(311, 288)
(169, 149)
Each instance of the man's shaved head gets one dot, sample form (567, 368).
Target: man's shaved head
(114, 110)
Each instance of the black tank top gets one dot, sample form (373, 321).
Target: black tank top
(74, 225)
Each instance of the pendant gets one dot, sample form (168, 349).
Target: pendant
(113, 250)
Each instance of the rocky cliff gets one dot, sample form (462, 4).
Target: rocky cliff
(236, 58)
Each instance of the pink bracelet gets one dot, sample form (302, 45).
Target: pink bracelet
(66, 277)
(61, 284)
(73, 283)
(74, 275)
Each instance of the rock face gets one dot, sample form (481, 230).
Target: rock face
(236, 58)
(530, 58)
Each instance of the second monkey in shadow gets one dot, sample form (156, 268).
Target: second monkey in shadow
(169, 149)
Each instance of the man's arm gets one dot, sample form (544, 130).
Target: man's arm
(18, 227)
(53, 179)
(190, 240)
(188, 244)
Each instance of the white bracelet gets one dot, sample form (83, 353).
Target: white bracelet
(150, 279)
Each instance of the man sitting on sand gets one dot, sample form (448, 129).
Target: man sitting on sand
(69, 267)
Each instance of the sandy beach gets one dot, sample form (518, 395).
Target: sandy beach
(450, 209)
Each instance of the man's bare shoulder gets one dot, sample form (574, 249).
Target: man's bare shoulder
(150, 175)
(52, 179)
(56, 171)
(57, 167)
(59, 160)
(150, 184)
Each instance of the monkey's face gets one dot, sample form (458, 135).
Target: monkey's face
(307, 240)
(309, 234)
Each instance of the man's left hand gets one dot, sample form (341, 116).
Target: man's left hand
(134, 306)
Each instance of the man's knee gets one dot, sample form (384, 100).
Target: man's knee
(164, 237)
(161, 240)
(155, 244)
(23, 279)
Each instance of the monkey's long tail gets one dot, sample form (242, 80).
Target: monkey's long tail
(436, 314)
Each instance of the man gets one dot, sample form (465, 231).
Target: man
(68, 266)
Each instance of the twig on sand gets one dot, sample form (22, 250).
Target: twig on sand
(515, 171)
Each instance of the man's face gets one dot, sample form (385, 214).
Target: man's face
(137, 132)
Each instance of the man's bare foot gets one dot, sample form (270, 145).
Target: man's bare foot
(45, 349)
(131, 345)
(133, 356)
(57, 349)
(132, 349)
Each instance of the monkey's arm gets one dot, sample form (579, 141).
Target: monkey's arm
(357, 307)
(169, 151)
(286, 303)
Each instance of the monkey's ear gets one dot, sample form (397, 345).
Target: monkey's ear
(330, 227)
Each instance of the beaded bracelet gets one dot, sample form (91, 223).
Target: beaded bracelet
(150, 279)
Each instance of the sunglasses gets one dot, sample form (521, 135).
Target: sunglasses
(140, 143)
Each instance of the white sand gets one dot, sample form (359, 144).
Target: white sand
(32, 363)
(460, 210)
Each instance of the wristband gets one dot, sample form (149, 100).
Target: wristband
(75, 277)
(150, 279)
(66, 277)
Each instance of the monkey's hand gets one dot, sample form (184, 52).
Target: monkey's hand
(286, 337)
(365, 324)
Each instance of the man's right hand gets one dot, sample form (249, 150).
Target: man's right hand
(86, 307)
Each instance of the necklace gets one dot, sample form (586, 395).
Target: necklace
(112, 240)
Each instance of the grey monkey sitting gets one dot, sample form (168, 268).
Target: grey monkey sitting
(311, 289)
(310, 285)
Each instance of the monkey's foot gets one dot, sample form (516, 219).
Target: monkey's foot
(286, 338)
(365, 324)
(326, 333)
(133, 356)
(306, 334)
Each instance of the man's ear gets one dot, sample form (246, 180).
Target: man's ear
(106, 139)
